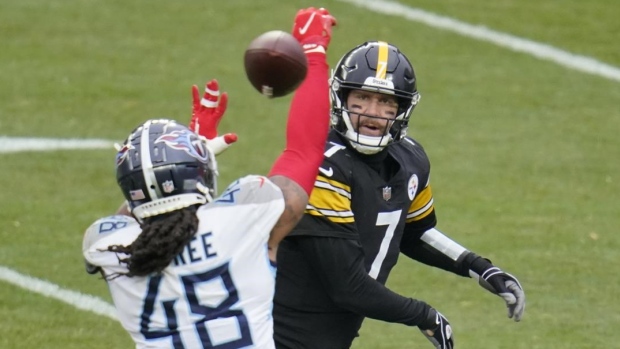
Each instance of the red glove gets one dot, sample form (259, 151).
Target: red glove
(313, 29)
(206, 115)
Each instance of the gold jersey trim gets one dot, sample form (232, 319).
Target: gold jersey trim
(331, 200)
(421, 206)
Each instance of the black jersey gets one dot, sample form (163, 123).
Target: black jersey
(352, 199)
(352, 230)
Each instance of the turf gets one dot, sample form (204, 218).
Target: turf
(524, 152)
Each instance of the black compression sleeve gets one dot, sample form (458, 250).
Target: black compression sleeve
(340, 266)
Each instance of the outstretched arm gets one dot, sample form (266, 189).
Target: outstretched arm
(436, 249)
(306, 131)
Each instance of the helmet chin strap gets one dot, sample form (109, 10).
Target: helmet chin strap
(367, 149)
(167, 204)
(367, 145)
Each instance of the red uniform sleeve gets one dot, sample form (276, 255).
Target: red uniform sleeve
(307, 126)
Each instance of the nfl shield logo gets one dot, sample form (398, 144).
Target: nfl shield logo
(168, 186)
(387, 193)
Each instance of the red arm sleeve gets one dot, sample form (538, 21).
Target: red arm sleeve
(306, 129)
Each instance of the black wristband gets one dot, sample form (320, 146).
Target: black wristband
(473, 262)
(430, 322)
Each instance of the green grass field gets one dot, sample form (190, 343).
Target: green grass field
(525, 152)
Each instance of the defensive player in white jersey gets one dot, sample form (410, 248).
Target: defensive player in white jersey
(190, 271)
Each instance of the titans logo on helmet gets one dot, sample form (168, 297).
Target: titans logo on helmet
(186, 141)
(122, 153)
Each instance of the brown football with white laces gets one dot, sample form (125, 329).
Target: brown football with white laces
(275, 63)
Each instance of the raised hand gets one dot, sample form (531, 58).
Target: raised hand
(207, 112)
(313, 29)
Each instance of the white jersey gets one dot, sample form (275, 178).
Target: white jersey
(218, 292)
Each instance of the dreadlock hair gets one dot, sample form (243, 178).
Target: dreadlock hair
(162, 238)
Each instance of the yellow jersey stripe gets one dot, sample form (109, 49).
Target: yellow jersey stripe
(325, 181)
(421, 213)
(421, 200)
(334, 219)
(329, 199)
(421, 206)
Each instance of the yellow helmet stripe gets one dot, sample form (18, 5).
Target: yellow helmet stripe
(382, 60)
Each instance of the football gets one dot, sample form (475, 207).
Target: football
(275, 63)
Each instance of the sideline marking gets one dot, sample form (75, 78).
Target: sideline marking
(79, 300)
(543, 51)
(18, 144)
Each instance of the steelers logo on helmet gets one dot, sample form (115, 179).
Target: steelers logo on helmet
(377, 67)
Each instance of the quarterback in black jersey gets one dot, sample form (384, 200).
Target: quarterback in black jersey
(372, 200)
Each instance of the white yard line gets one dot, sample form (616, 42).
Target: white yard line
(543, 51)
(47, 289)
(17, 144)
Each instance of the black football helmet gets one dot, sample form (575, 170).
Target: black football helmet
(163, 166)
(374, 66)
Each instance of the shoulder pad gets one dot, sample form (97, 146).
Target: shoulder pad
(410, 142)
(103, 227)
(251, 188)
